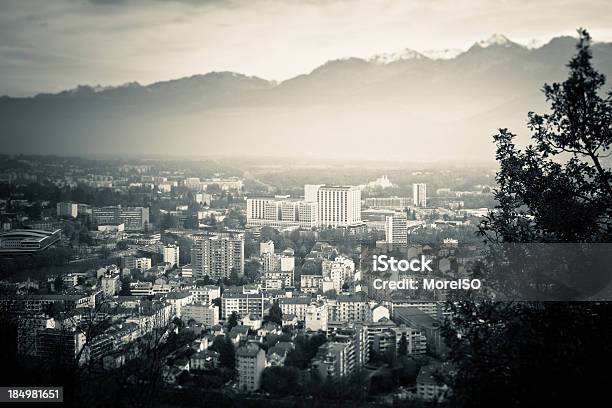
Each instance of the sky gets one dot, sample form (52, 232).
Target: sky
(52, 45)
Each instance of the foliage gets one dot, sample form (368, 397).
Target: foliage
(306, 348)
(227, 353)
(232, 321)
(402, 347)
(281, 381)
(542, 199)
(556, 190)
(275, 314)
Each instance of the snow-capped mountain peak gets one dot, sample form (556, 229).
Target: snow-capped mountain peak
(446, 54)
(495, 39)
(389, 57)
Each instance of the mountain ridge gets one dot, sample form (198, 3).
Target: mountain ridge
(447, 108)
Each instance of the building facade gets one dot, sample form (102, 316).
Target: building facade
(250, 363)
(218, 255)
(419, 194)
(134, 218)
(339, 206)
(396, 230)
(281, 213)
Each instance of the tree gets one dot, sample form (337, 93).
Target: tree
(125, 287)
(281, 381)
(542, 199)
(555, 191)
(58, 284)
(168, 222)
(232, 321)
(227, 353)
(191, 223)
(275, 314)
(402, 347)
(252, 270)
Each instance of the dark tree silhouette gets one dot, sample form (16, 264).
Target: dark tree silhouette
(542, 199)
(402, 347)
(556, 190)
(275, 314)
(232, 321)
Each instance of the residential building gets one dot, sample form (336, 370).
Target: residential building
(66, 209)
(352, 307)
(278, 269)
(266, 247)
(389, 202)
(316, 316)
(134, 263)
(339, 206)
(296, 306)
(178, 300)
(339, 271)
(419, 194)
(218, 255)
(204, 360)
(333, 360)
(429, 387)
(250, 363)
(111, 285)
(205, 294)
(60, 345)
(206, 314)
(243, 303)
(310, 283)
(134, 218)
(171, 254)
(396, 230)
(281, 212)
(424, 323)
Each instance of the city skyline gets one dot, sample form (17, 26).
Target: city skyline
(305, 202)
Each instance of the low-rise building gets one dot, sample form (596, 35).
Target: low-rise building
(429, 386)
(316, 316)
(202, 314)
(296, 306)
(204, 360)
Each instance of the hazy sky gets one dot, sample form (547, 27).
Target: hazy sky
(50, 45)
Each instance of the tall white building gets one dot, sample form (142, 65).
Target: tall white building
(419, 194)
(396, 230)
(218, 255)
(339, 206)
(171, 254)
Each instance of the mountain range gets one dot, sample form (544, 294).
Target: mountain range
(409, 106)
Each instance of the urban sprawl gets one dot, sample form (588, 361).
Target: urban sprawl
(238, 285)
